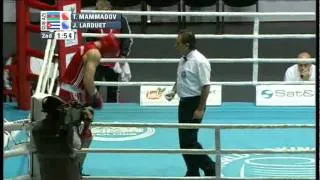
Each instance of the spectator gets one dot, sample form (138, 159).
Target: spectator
(301, 72)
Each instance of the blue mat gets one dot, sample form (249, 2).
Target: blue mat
(235, 165)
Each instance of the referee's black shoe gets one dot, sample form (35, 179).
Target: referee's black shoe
(82, 174)
(210, 170)
(192, 173)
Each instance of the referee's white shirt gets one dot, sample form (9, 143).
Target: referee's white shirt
(293, 74)
(192, 74)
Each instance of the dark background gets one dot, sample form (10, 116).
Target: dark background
(211, 48)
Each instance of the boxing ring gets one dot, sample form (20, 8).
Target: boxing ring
(246, 141)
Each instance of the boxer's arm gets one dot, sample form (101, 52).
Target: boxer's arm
(91, 61)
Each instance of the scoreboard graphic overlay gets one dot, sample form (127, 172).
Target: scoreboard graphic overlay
(60, 24)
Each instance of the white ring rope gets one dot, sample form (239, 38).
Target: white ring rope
(25, 177)
(193, 178)
(28, 125)
(226, 14)
(197, 151)
(23, 124)
(210, 126)
(226, 83)
(24, 149)
(212, 60)
(208, 36)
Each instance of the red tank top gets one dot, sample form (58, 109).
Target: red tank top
(72, 80)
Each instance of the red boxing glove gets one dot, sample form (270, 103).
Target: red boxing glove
(96, 100)
(86, 134)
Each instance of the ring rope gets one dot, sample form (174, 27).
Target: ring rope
(25, 149)
(28, 125)
(226, 83)
(17, 125)
(212, 60)
(208, 36)
(23, 177)
(189, 178)
(210, 126)
(226, 14)
(198, 151)
(22, 149)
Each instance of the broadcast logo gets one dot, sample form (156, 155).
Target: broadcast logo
(267, 94)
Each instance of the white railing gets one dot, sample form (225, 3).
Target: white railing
(255, 36)
(217, 151)
(226, 83)
(16, 125)
(212, 60)
(22, 149)
(209, 36)
(191, 178)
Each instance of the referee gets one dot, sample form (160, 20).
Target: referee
(192, 86)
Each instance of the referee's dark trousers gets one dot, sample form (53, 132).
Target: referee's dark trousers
(188, 139)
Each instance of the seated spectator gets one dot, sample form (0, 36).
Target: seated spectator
(303, 71)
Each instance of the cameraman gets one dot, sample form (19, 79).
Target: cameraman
(57, 137)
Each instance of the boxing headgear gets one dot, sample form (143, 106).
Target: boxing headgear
(110, 46)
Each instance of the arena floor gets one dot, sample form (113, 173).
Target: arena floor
(235, 165)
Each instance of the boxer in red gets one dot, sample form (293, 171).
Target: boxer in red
(77, 83)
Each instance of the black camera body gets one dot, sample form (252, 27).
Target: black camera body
(54, 138)
(55, 133)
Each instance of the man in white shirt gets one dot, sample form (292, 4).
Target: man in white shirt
(301, 72)
(192, 86)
